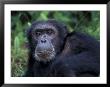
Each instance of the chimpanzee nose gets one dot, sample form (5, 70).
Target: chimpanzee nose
(43, 41)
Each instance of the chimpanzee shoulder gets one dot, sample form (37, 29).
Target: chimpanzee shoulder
(80, 57)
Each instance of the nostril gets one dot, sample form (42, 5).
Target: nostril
(43, 41)
(44, 35)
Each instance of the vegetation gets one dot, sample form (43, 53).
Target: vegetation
(83, 21)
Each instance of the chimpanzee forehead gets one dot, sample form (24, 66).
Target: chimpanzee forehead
(45, 26)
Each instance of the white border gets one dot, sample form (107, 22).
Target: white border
(55, 80)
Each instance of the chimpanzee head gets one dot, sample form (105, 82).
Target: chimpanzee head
(46, 39)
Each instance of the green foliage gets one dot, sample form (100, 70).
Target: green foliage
(16, 45)
(18, 61)
(83, 21)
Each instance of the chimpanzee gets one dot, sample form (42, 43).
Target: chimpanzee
(53, 52)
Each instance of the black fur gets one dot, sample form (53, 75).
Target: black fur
(82, 58)
(78, 55)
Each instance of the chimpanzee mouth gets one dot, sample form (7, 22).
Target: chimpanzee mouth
(44, 52)
(44, 55)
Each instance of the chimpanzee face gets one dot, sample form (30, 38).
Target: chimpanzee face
(46, 39)
(43, 35)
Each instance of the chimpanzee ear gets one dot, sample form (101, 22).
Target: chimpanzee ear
(65, 29)
(66, 32)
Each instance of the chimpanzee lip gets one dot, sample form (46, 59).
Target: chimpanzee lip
(45, 51)
(44, 55)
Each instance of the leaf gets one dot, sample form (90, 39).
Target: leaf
(16, 44)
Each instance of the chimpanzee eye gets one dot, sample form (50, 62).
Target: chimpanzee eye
(49, 32)
(38, 33)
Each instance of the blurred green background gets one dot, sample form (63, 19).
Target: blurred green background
(83, 21)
